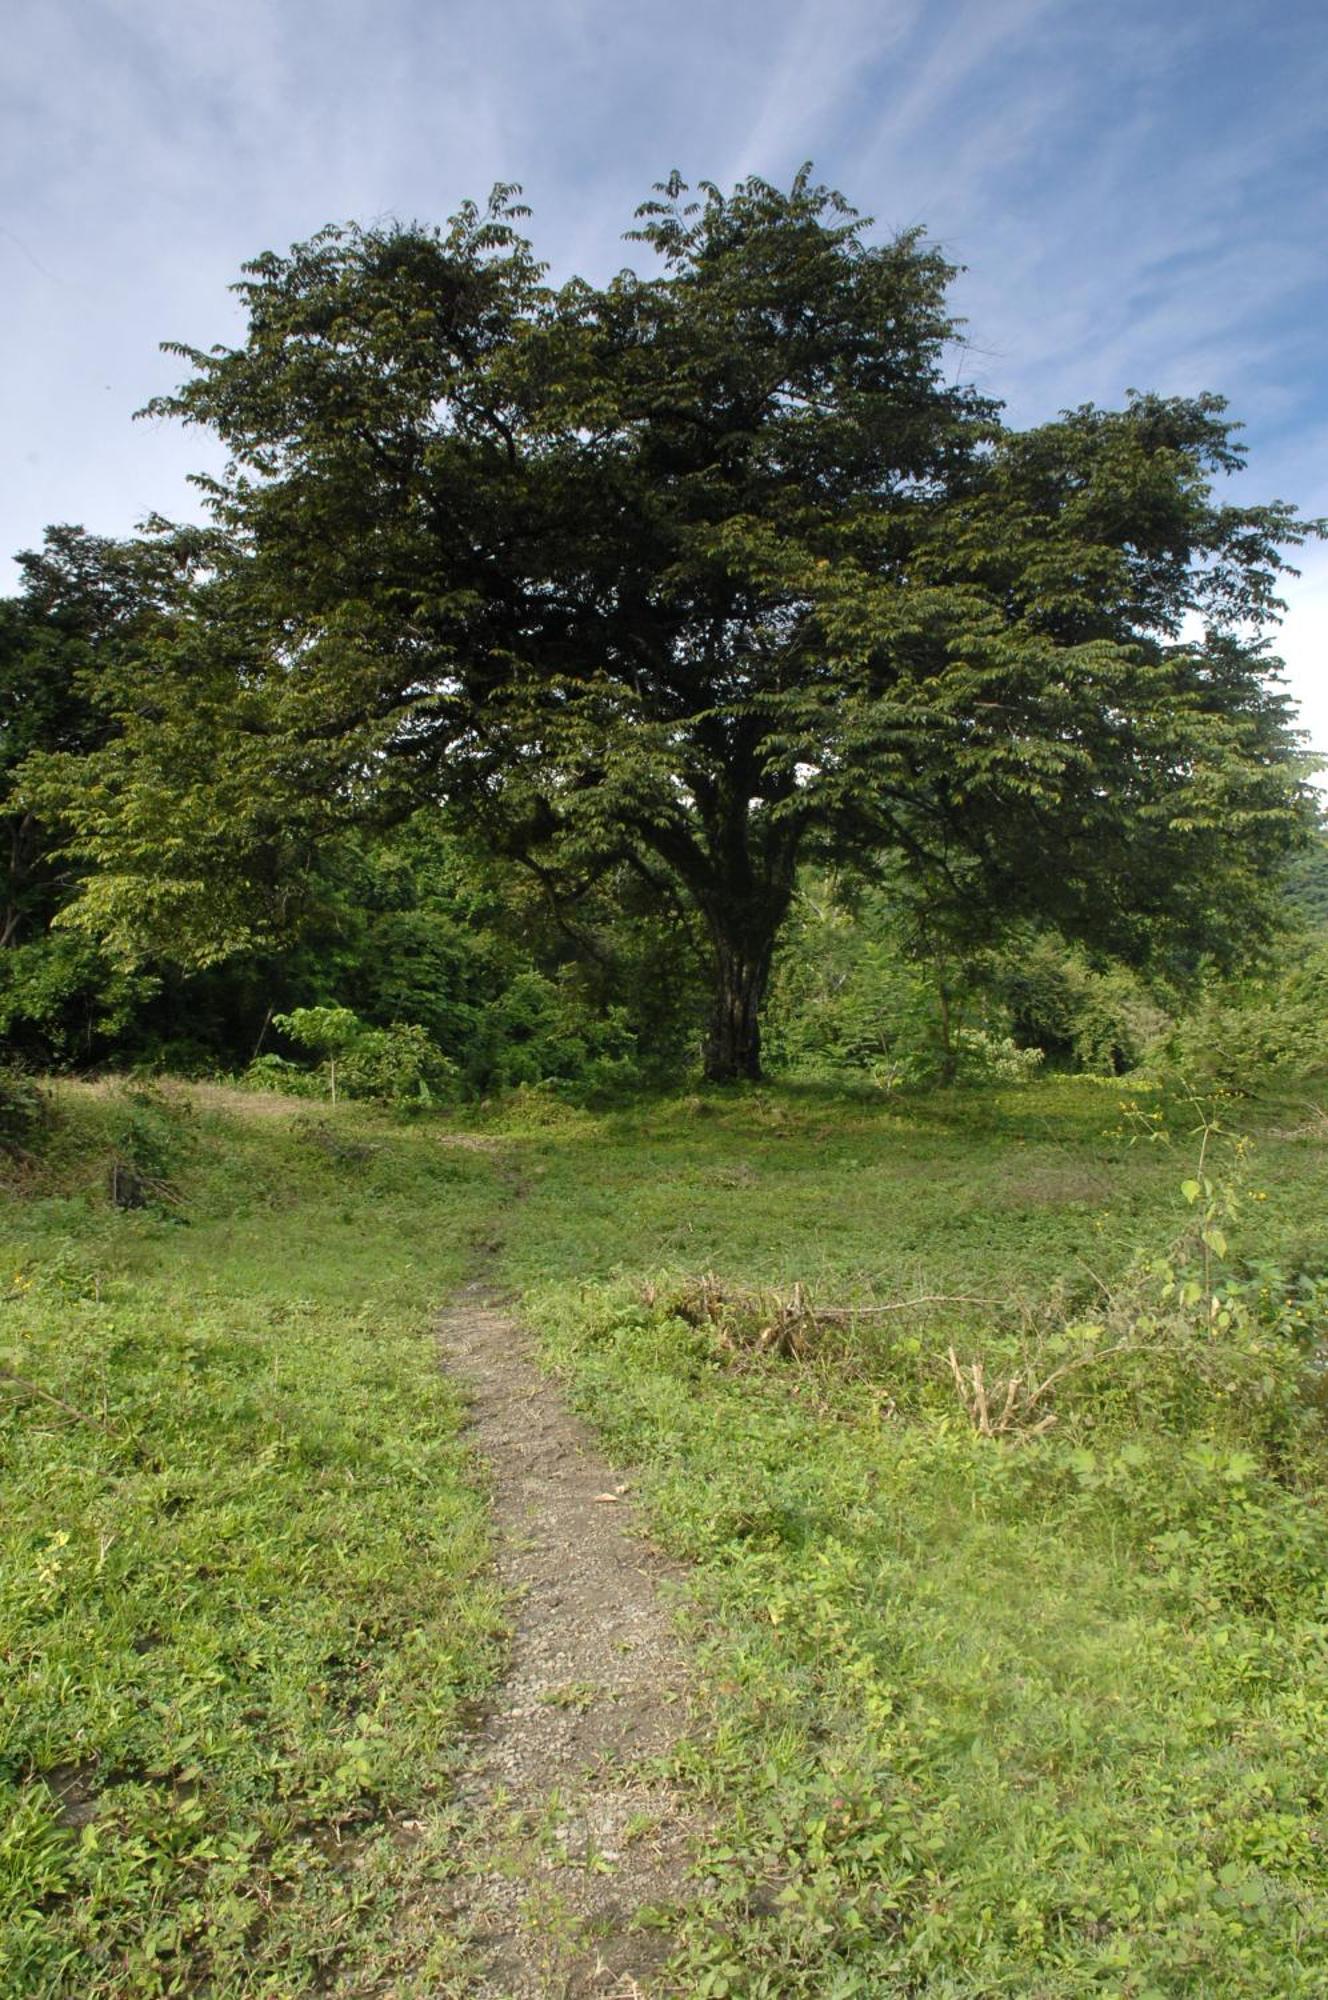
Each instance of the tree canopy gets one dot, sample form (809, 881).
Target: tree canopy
(689, 577)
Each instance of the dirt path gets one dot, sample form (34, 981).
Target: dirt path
(567, 1840)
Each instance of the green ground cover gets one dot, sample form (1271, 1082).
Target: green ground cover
(1038, 1714)
(243, 1604)
(1034, 1714)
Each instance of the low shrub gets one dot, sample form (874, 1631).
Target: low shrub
(22, 1111)
(1263, 1033)
(401, 1065)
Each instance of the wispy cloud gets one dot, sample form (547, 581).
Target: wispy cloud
(1137, 192)
(823, 60)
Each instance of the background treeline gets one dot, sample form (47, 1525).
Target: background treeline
(423, 965)
(408, 926)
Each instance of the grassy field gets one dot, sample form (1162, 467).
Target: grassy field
(1036, 1713)
(243, 1604)
(1041, 1713)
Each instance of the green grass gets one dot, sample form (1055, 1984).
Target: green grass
(1039, 1715)
(243, 1606)
(1034, 1716)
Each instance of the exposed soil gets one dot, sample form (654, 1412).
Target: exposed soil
(571, 1841)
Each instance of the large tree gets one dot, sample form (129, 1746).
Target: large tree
(697, 573)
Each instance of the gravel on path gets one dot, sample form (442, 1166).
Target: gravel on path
(567, 1840)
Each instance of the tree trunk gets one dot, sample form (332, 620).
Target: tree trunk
(949, 1052)
(744, 903)
(733, 1042)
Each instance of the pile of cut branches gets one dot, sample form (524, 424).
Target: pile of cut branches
(768, 1321)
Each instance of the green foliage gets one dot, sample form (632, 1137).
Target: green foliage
(420, 931)
(406, 926)
(847, 997)
(1263, 1034)
(399, 1065)
(1078, 1014)
(1307, 883)
(859, 987)
(61, 1000)
(86, 602)
(82, 599)
(541, 1031)
(535, 1031)
(278, 1073)
(513, 987)
(150, 1135)
(682, 579)
(328, 1031)
(22, 1110)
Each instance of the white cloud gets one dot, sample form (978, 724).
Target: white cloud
(1122, 222)
(822, 57)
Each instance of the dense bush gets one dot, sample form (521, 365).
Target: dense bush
(399, 1065)
(543, 1031)
(847, 998)
(61, 1001)
(1268, 1032)
(22, 1110)
(857, 990)
(1082, 1017)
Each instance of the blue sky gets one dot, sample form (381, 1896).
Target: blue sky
(1138, 191)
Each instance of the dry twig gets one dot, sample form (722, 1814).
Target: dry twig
(20, 1382)
(1021, 1395)
(784, 1323)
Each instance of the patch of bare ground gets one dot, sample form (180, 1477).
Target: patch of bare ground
(572, 1844)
